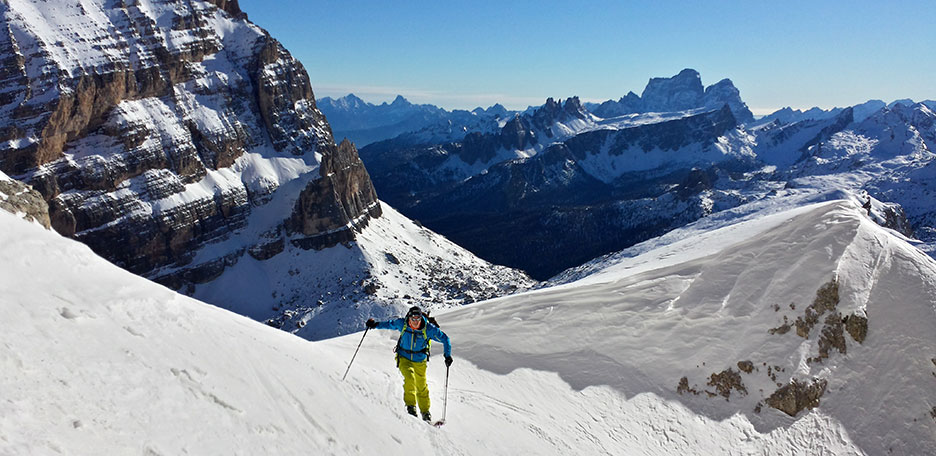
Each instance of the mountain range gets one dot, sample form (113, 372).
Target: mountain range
(703, 282)
(363, 123)
(582, 185)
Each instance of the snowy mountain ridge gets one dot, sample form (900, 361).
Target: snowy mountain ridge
(405, 124)
(861, 111)
(139, 368)
(364, 123)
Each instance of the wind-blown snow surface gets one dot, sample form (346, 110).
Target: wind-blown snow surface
(94, 360)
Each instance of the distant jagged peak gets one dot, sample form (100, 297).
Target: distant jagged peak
(788, 115)
(686, 78)
(496, 109)
(916, 111)
(724, 92)
(678, 93)
(352, 98)
(399, 101)
(347, 102)
(903, 101)
(573, 106)
(554, 110)
(724, 88)
(682, 92)
(920, 115)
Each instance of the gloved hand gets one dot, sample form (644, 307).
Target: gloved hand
(371, 324)
(448, 361)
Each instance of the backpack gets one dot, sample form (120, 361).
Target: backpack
(432, 321)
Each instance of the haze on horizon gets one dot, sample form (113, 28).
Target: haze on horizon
(799, 54)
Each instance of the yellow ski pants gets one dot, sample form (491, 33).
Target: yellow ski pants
(415, 389)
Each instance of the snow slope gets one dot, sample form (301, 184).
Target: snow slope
(321, 293)
(700, 305)
(95, 360)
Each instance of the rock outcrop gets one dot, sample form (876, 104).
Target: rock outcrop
(798, 396)
(331, 208)
(21, 199)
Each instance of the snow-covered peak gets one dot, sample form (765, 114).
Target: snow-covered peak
(347, 102)
(682, 92)
(861, 112)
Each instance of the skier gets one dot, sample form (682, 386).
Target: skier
(412, 354)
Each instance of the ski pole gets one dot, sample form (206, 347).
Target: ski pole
(445, 394)
(355, 354)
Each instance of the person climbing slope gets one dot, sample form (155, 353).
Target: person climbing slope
(412, 355)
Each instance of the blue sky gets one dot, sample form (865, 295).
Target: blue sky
(464, 54)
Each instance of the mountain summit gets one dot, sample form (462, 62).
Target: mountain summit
(681, 92)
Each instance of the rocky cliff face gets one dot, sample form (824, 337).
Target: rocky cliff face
(343, 198)
(678, 93)
(153, 127)
(681, 92)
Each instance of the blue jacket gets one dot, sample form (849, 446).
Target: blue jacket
(412, 343)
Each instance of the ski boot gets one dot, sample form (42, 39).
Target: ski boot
(426, 416)
(411, 409)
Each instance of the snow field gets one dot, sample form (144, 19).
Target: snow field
(96, 360)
